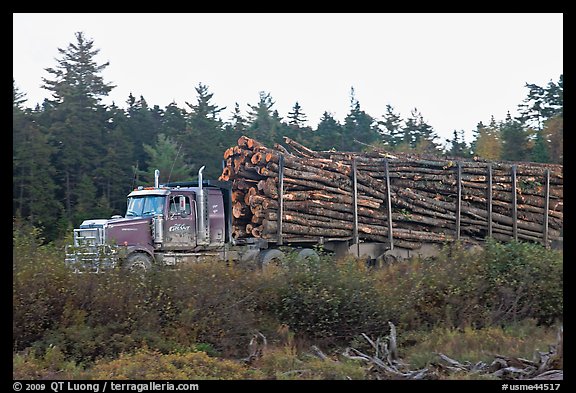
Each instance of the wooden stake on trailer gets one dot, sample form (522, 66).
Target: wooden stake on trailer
(459, 198)
(546, 207)
(489, 207)
(355, 202)
(280, 197)
(388, 204)
(514, 205)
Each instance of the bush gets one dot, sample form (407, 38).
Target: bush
(525, 280)
(211, 303)
(148, 364)
(328, 301)
(51, 365)
(40, 286)
(501, 284)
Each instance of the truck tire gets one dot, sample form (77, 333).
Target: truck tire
(270, 257)
(138, 262)
(307, 254)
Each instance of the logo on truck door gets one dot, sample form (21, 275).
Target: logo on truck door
(179, 228)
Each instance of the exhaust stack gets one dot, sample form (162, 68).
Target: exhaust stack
(203, 221)
(156, 178)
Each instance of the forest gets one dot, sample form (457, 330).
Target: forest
(491, 314)
(75, 158)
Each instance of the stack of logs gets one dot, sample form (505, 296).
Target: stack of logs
(339, 195)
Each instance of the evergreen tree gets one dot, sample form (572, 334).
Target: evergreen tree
(86, 202)
(173, 121)
(115, 176)
(142, 127)
(166, 156)
(295, 127)
(514, 140)
(539, 151)
(77, 119)
(204, 141)
(296, 118)
(265, 122)
(328, 133)
(542, 103)
(458, 145)
(555, 99)
(418, 136)
(391, 128)
(358, 126)
(238, 125)
(475, 134)
(76, 77)
(33, 187)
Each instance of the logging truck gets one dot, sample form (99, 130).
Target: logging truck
(181, 222)
(271, 202)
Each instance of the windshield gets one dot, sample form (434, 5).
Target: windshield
(145, 205)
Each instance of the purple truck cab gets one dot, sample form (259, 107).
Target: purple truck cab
(163, 224)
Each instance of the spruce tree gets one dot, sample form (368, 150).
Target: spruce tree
(458, 145)
(390, 128)
(33, 186)
(328, 133)
(514, 140)
(265, 122)
(167, 156)
(204, 141)
(77, 117)
(358, 126)
(296, 118)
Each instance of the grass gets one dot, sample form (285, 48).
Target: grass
(520, 339)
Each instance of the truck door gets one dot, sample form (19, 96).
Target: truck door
(180, 224)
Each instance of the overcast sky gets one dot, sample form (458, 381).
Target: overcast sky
(456, 68)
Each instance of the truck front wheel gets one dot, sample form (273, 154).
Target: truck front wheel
(138, 262)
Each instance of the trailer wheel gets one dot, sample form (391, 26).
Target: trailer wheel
(270, 257)
(389, 259)
(307, 254)
(138, 262)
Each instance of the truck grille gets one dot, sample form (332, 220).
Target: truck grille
(89, 253)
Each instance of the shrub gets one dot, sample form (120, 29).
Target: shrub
(525, 280)
(501, 284)
(328, 300)
(147, 364)
(210, 303)
(40, 286)
(426, 292)
(52, 365)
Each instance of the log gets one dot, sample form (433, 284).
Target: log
(251, 191)
(240, 210)
(318, 195)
